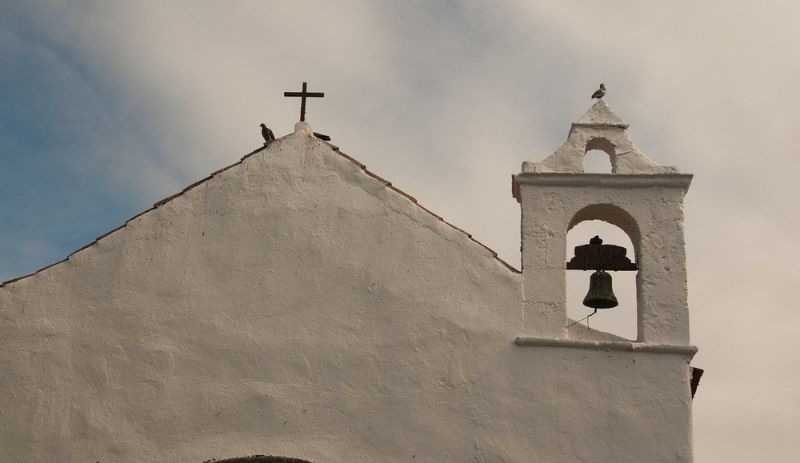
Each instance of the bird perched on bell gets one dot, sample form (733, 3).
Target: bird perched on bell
(267, 134)
(600, 92)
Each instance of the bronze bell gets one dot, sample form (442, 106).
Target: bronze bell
(600, 294)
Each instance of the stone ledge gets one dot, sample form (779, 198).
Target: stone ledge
(660, 180)
(601, 125)
(611, 180)
(626, 346)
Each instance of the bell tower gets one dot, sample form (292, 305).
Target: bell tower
(639, 196)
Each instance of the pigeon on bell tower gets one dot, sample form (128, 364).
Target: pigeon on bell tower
(600, 92)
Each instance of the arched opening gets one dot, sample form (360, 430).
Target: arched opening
(597, 162)
(598, 157)
(614, 226)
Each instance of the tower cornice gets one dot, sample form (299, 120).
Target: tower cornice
(662, 180)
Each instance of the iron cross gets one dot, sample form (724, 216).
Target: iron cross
(303, 95)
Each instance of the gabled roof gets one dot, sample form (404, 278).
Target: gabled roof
(304, 128)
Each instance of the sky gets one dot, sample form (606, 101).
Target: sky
(107, 107)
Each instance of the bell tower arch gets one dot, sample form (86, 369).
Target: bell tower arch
(639, 196)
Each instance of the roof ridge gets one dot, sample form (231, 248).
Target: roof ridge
(169, 198)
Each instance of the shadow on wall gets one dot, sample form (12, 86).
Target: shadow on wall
(259, 459)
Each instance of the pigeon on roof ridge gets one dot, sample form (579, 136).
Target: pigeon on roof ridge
(267, 134)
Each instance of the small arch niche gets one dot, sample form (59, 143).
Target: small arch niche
(622, 320)
(598, 156)
(597, 162)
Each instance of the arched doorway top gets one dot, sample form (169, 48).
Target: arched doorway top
(259, 459)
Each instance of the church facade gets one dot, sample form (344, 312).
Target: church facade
(297, 305)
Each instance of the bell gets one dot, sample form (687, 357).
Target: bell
(600, 294)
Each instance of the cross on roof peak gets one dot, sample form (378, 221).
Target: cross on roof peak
(303, 95)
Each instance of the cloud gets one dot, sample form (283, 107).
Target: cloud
(63, 146)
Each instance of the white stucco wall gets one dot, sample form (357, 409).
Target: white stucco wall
(294, 305)
(649, 208)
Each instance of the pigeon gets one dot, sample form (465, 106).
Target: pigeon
(600, 92)
(267, 134)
